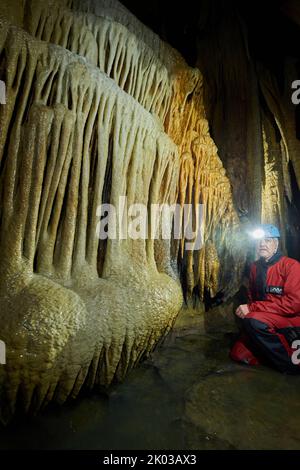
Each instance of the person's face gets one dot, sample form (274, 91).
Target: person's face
(267, 247)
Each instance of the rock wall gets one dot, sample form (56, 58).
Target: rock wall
(97, 108)
(248, 90)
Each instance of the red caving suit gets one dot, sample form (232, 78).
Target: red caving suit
(271, 330)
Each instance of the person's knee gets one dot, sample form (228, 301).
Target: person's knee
(254, 324)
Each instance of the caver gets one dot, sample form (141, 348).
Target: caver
(271, 319)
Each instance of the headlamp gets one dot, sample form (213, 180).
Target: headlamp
(258, 233)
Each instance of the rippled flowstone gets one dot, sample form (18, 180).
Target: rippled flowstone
(187, 395)
(99, 110)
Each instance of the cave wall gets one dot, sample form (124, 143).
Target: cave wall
(249, 59)
(98, 107)
(249, 56)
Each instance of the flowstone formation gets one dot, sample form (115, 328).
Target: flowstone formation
(98, 108)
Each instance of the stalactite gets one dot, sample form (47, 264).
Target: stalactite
(99, 108)
(49, 252)
(107, 44)
(202, 180)
(112, 40)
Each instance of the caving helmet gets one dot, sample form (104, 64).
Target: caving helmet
(265, 231)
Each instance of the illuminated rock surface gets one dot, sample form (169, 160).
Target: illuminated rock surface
(124, 117)
(187, 395)
(98, 108)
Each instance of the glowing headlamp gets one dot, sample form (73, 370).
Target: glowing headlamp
(258, 233)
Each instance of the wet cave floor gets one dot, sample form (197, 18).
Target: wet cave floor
(187, 395)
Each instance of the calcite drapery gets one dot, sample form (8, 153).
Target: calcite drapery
(158, 78)
(119, 115)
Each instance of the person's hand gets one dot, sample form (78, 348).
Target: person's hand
(242, 311)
